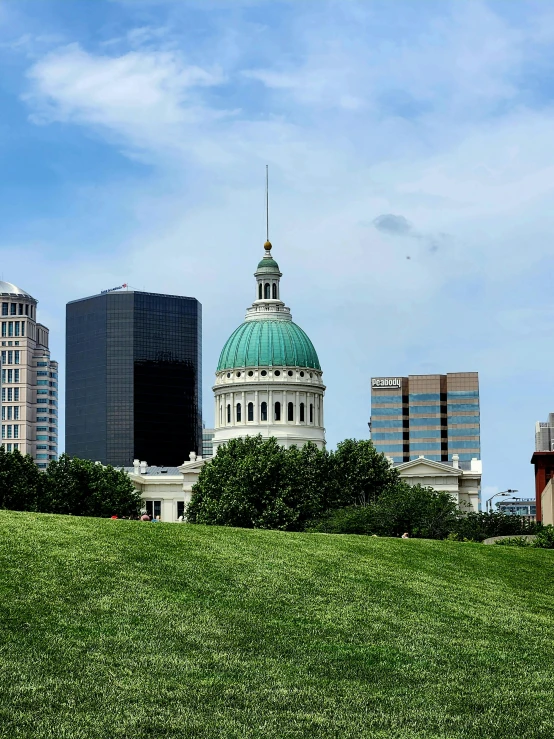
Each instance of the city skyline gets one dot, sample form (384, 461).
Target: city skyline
(410, 182)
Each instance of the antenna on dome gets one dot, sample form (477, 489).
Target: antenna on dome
(267, 245)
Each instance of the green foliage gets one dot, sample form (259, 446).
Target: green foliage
(20, 482)
(513, 541)
(255, 483)
(359, 474)
(401, 508)
(544, 538)
(69, 485)
(117, 629)
(347, 520)
(480, 526)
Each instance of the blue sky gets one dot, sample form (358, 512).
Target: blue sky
(133, 139)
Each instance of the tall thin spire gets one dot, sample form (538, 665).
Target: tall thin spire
(267, 245)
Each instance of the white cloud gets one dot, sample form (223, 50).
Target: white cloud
(145, 97)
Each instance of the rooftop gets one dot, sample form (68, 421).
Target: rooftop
(7, 288)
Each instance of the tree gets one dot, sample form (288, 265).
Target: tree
(359, 474)
(255, 483)
(84, 488)
(20, 481)
(420, 511)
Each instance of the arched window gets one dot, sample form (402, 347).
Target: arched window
(275, 291)
(311, 413)
(250, 411)
(277, 411)
(260, 291)
(228, 413)
(290, 414)
(301, 412)
(263, 411)
(239, 413)
(267, 289)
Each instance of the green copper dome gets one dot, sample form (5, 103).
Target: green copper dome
(268, 343)
(268, 262)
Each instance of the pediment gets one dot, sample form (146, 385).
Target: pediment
(427, 467)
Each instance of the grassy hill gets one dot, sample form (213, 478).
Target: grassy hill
(126, 629)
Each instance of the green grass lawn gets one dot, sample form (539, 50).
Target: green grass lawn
(127, 629)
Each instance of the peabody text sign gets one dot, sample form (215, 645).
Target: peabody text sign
(386, 382)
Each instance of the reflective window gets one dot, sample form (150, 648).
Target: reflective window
(463, 419)
(425, 408)
(378, 399)
(426, 434)
(386, 436)
(424, 397)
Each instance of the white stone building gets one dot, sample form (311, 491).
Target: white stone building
(464, 485)
(28, 379)
(268, 379)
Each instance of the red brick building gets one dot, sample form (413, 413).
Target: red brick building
(544, 471)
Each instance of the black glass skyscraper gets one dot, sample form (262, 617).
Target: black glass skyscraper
(133, 378)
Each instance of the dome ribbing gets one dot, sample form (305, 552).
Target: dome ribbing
(268, 343)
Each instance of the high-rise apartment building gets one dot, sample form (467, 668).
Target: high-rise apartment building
(28, 379)
(133, 378)
(435, 416)
(544, 435)
(207, 442)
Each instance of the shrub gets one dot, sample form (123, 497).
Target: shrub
(514, 541)
(545, 538)
(480, 526)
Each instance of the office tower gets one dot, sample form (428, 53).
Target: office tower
(133, 378)
(28, 380)
(207, 442)
(544, 435)
(436, 416)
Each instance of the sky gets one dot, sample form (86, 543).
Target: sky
(411, 167)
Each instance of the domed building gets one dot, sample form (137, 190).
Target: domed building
(268, 379)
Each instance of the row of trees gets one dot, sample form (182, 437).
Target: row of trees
(68, 485)
(255, 483)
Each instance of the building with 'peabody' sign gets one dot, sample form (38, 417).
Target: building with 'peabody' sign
(435, 416)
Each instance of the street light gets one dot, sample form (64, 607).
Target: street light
(488, 505)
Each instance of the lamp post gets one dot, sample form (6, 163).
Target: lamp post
(488, 504)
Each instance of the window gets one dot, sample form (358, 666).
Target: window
(42, 364)
(15, 394)
(8, 447)
(464, 407)
(311, 413)
(153, 508)
(16, 432)
(16, 357)
(426, 434)
(22, 329)
(264, 411)
(301, 412)
(42, 438)
(42, 382)
(267, 288)
(425, 408)
(21, 309)
(42, 373)
(250, 411)
(386, 436)
(42, 456)
(274, 291)
(42, 428)
(277, 411)
(260, 291)
(378, 399)
(239, 413)
(10, 328)
(26, 309)
(180, 508)
(463, 419)
(16, 375)
(17, 328)
(4, 309)
(228, 413)
(4, 324)
(42, 446)
(290, 412)
(469, 431)
(9, 432)
(13, 309)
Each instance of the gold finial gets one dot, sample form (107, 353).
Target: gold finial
(267, 246)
